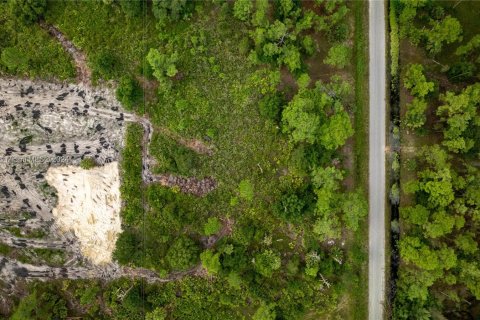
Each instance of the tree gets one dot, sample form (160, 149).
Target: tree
(415, 81)
(128, 92)
(14, 59)
(270, 107)
(354, 207)
(415, 117)
(242, 9)
(335, 132)
(211, 261)
(174, 10)
(447, 30)
(461, 71)
(163, 66)
(28, 11)
(267, 262)
(305, 118)
(470, 275)
(156, 314)
(471, 46)
(182, 254)
(459, 112)
(338, 55)
(290, 206)
(417, 215)
(327, 227)
(212, 226)
(265, 312)
(41, 303)
(132, 8)
(291, 58)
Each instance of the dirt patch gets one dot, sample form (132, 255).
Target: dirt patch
(195, 145)
(89, 205)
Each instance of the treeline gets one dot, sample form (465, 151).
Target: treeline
(439, 273)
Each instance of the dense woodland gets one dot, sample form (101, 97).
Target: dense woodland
(276, 88)
(438, 43)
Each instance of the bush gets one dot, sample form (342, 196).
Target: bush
(28, 11)
(270, 107)
(338, 33)
(129, 92)
(245, 189)
(104, 65)
(88, 163)
(132, 8)
(172, 157)
(267, 262)
(338, 56)
(461, 71)
(183, 254)
(212, 226)
(290, 206)
(14, 59)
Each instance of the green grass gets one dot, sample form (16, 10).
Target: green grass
(358, 254)
(361, 93)
(45, 57)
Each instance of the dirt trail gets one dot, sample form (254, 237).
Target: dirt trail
(16, 242)
(84, 75)
(10, 269)
(192, 144)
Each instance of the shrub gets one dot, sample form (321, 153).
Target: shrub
(132, 8)
(267, 262)
(461, 71)
(290, 206)
(211, 261)
(88, 163)
(172, 157)
(14, 59)
(129, 92)
(212, 226)
(338, 56)
(28, 11)
(270, 107)
(104, 65)
(245, 188)
(183, 254)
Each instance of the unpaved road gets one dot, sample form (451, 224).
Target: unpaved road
(377, 71)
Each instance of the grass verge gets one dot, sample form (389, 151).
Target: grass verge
(359, 252)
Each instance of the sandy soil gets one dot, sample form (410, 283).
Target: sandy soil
(89, 205)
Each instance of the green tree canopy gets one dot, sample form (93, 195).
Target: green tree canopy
(183, 254)
(28, 11)
(415, 81)
(305, 118)
(416, 113)
(447, 30)
(458, 113)
(338, 55)
(267, 262)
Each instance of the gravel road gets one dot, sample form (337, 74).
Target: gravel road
(377, 74)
